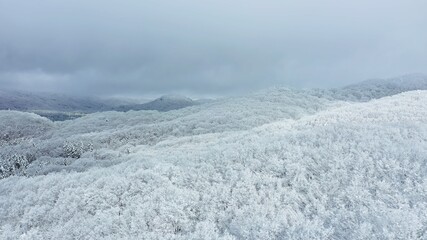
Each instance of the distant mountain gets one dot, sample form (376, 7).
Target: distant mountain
(59, 107)
(376, 88)
(25, 101)
(162, 104)
(62, 107)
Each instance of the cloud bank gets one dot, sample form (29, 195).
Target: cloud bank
(206, 47)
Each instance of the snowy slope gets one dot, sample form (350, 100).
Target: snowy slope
(16, 125)
(109, 134)
(280, 164)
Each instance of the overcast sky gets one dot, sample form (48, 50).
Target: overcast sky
(206, 47)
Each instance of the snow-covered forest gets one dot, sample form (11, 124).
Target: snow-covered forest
(346, 163)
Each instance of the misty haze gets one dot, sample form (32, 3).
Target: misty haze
(213, 119)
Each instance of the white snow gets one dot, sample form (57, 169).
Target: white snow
(280, 164)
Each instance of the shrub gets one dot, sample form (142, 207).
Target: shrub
(75, 149)
(15, 164)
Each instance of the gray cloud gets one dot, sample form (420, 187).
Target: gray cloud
(206, 47)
